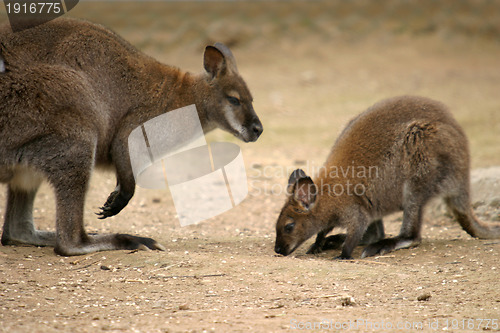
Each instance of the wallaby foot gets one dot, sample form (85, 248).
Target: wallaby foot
(95, 243)
(389, 244)
(33, 237)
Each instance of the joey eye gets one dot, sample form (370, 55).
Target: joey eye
(289, 227)
(233, 100)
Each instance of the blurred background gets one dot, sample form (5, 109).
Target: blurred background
(312, 65)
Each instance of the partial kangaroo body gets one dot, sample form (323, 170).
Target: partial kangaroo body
(395, 156)
(70, 94)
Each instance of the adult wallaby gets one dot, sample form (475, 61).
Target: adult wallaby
(70, 94)
(395, 156)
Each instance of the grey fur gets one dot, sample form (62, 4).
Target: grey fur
(70, 94)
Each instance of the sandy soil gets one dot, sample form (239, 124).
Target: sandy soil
(222, 275)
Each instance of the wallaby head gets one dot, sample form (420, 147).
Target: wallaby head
(231, 107)
(296, 223)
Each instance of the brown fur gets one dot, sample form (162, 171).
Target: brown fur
(70, 94)
(415, 150)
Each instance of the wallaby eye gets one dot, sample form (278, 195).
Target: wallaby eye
(233, 100)
(289, 227)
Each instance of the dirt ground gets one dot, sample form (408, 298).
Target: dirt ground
(308, 78)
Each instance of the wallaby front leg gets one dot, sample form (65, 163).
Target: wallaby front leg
(355, 231)
(317, 247)
(125, 188)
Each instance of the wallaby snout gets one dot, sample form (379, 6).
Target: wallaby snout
(253, 130)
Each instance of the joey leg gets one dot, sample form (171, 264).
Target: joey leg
(409, 235)
(355, 232)
(318, 245)
(373, 233)
(334, 242)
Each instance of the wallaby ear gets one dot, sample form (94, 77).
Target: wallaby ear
(294, 177)
(228, 55)
(303, 189)
(305, 193)
(213, 61)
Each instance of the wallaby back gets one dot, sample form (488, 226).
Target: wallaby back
(395, 156)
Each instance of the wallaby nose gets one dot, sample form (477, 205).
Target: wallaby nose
(257, 129)
(280, 250)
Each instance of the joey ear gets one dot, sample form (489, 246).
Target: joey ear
(305, 193)
(213, 61)
(294, 177)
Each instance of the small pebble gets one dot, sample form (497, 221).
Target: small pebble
(424, 297)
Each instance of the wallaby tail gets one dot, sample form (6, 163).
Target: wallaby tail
(462, 211)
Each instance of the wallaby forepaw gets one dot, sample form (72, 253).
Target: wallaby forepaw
(113, 205)
(110, 198)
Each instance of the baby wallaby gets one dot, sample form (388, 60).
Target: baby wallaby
(70, 94)
(395, 156)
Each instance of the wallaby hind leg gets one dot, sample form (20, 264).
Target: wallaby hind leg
(72, 238)
(462, 211)
(409, 235)
(68, 170)
(373, 233)
(18, 226)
